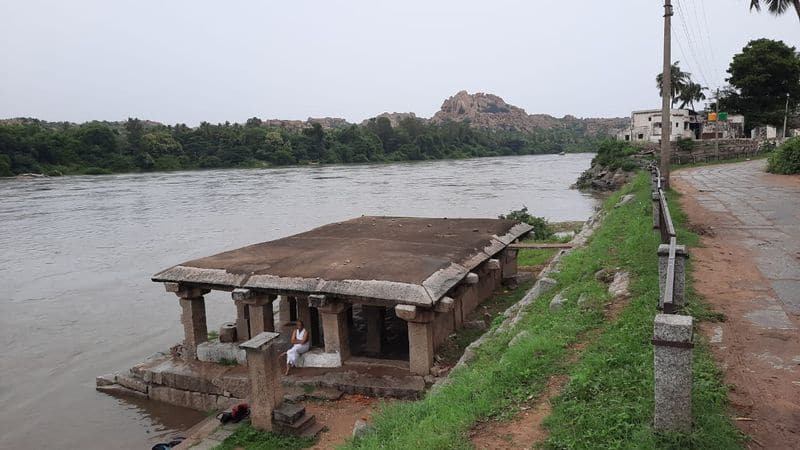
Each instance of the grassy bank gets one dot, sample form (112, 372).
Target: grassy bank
(609, 399)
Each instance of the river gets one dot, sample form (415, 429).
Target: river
(77, 253)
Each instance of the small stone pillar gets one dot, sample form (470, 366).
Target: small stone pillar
(374, 316)
(420, 337)
(334, 325)
(242, 321)
(284, 312)
(672, 342)
(679, 288)
(656, 210)
(259, 306)
(266, 392)
(193, 316)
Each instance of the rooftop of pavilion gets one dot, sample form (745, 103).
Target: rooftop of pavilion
(389, 260)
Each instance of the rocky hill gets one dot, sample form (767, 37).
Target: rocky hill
(490, 111)
(394, 118)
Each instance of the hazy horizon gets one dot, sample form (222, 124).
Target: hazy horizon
(187, 62)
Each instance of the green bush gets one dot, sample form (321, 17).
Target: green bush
(541, 229)
(786, 158)
(613, 154)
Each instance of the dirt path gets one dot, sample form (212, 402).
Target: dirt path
(339, 417)
(748, 268)
(525, 430)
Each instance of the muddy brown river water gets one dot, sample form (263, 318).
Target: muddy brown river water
(77, 253)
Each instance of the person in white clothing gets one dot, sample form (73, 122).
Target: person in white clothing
(300, 344)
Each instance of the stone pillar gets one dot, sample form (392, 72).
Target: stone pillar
(509, 264)
(656, 210)
(679, 288)
(334, 317)
(259, 307)
(284, 314)
(334, 326)
(193, 316)
(374, 316)
(266, 392)
(672, 341)
(303, 312)
(420, 337)
(242, 321)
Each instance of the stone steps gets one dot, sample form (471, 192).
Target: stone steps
(291, 418)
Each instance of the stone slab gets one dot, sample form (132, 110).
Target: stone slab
(213, 351)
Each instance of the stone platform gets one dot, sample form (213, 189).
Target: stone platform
(206, 386)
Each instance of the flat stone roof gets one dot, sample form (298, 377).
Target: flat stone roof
(394, 260)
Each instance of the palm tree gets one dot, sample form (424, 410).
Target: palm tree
(679, 81)
(693, 92)
(777, 7)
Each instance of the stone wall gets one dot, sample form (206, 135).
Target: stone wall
(706, 150)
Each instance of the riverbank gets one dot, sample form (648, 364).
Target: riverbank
(576, 371)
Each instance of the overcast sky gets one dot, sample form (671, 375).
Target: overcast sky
(189, 61)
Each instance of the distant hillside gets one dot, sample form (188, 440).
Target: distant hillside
(489, 111)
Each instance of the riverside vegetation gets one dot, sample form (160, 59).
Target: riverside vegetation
(34, 146)
(608, 400)
(785, 159)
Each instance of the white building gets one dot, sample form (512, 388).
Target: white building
(645, 125)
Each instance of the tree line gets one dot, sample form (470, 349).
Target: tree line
(34, 146)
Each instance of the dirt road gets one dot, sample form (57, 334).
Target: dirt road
(748, 268)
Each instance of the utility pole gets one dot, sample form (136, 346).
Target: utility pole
(786, 113)
(666, 94)
(716, 128)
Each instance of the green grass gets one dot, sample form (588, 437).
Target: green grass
(608, 401)
(535, 256)
(251, 439)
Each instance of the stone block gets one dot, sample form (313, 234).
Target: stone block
(493, 264)
(546, 285)
(227, 332)
(520, 336)
(131, 383)
(288, 412)
(558, 302)
(218, 351)
(619, 287)
(679, 288)
(445, 304)
(672, 339)
(319, 358)
(471, 278)
(317, 301)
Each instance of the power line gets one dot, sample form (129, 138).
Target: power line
(690, 42)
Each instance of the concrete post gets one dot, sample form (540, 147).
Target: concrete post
(679, 288)
(334, 328)
(672, 341)
(374, 316)
(420, 337)
(656, 210)
(266, 392)
(242, 321)
(193, 316)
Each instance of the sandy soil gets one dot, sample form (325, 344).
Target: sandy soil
(340, 416)
(759, 361)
